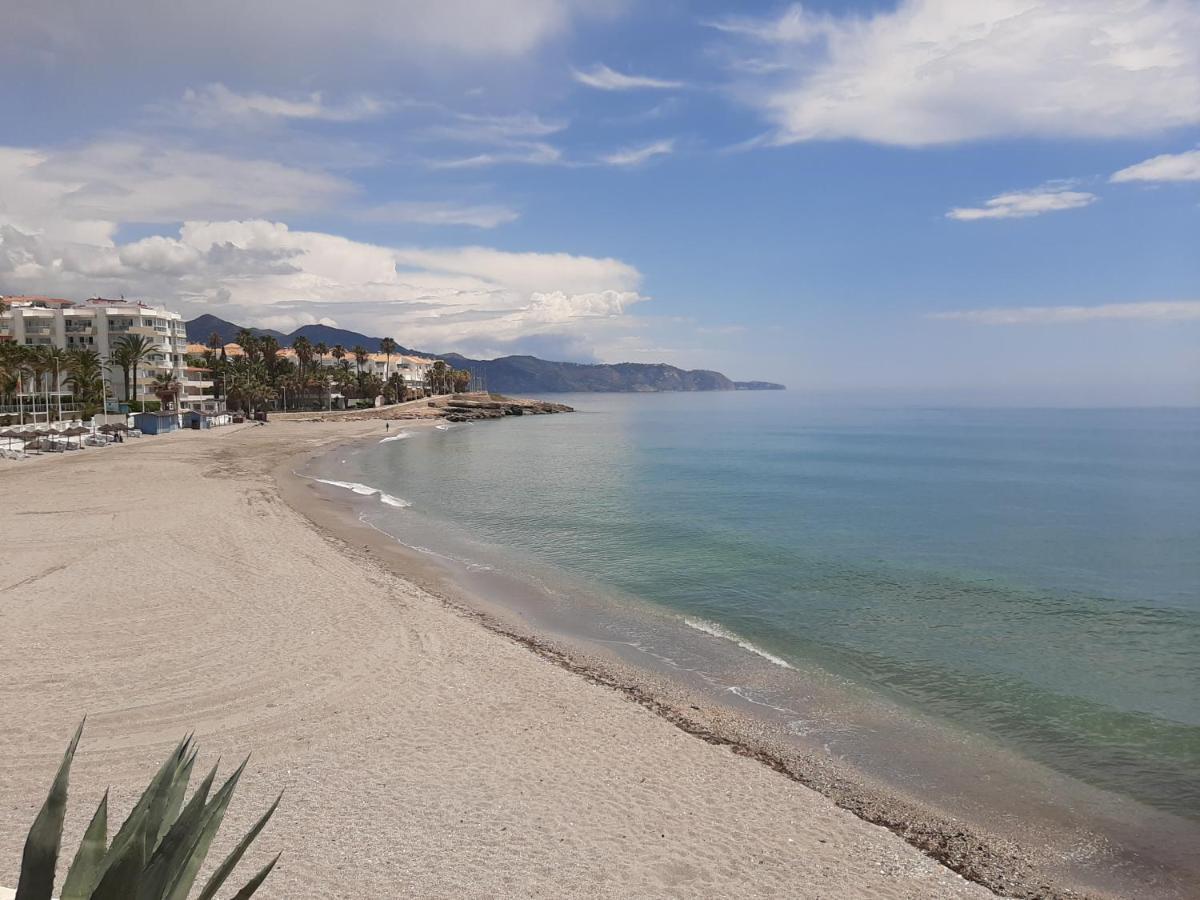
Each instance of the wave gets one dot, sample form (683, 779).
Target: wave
(719, 631)
(365, 490)
(397, 437)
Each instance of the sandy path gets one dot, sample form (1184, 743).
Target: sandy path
(163, 586)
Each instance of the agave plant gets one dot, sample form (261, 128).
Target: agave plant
(158, 851)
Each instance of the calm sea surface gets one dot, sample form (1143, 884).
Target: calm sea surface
(1031, 575)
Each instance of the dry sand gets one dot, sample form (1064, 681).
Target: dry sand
(163, 585)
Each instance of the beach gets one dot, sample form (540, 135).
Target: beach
(164, 586)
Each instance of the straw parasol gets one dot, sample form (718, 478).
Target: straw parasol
(11, 435)
(77, 431)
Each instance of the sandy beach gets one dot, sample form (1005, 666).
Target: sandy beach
(164, 586)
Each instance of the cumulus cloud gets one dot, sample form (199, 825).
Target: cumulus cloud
(216, 103)
(944, 71)
(1059, 315)
(603, 78)
(1167, 167)
(635, 156)
(260, 271)
(1024, 204)
(61, 215)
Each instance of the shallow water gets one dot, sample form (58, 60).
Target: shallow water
(1028, 575)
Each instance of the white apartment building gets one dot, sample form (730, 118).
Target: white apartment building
(97, 325)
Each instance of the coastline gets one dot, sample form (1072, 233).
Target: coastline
(1044, 849)
(167, 586)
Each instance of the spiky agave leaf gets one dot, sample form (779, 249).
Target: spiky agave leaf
(121, 879)
(173, 851)
(137, 820)
(256, 882)
(226, 868)
(214, 814)
(134, 842)
(40, 857)
(177, 793)
(84, 874)
(163, 790)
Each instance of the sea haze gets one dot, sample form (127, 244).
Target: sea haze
(1032, 576)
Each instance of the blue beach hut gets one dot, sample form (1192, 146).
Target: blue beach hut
(155, 422)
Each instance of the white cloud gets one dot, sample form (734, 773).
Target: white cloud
(1167, 167)
(274, 33)
(431, 213)
(635, 156)
(509, 138)
(1055, 315)
(61, 215)
(1023, 204)
(216, 103)
(603, 78)
(80, 193)
(944, 71)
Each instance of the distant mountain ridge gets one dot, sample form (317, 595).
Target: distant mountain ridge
(511, 374)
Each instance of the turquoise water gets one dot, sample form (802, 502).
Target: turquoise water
(1033, 575)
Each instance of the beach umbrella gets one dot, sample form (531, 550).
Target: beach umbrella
(77, 431)
(12, 434)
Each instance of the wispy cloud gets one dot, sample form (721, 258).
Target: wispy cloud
(531, 154)
(216, 102)
(1024, 204)
(925, 72)
(1059, 315)
(433, 213)
(509, 139)
(1167, 167)
(635, 156)
(603, 78)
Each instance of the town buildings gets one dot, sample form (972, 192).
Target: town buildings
(98, 325)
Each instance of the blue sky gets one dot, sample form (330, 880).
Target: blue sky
(935, 201)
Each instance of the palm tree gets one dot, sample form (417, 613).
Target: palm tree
(85, 377)
(166, 388)
(56, 367)
(36, 364)
(388, 347)
(131, 351)
(214, 342)
(338, 353)
(304, 354)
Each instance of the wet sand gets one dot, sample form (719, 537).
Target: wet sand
(164, 585)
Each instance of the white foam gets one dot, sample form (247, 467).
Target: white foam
(445, 426)
(397, 437)
(745, 695)
(718, 631)
(365, 489)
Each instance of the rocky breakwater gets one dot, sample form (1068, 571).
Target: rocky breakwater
(468, 409)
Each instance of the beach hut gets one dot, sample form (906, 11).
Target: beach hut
(156, 422)
(204, 418)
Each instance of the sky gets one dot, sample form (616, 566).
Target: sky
(923, 201)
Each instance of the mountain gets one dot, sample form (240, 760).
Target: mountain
(513, 374)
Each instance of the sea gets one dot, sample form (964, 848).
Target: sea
(1022, 581)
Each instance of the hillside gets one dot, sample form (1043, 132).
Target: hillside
(514, 374)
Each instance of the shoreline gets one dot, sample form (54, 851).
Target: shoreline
(1008, 867)
(188, 595)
